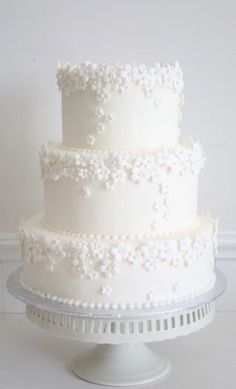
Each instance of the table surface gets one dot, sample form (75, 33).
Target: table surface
(31, 358)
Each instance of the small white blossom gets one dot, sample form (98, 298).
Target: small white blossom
(185, 244)
(109, 268)
(151, 264)
(99, 128)
(93, 275)
(175, 287)
(157, 205)
(122, 251)
(106, 290)
(86, 192)
(98, 113)
(90, 140)
(108, 117)
(49, 263)
(150, 296)
(99, 250)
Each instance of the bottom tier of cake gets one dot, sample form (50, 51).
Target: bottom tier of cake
(117, 272)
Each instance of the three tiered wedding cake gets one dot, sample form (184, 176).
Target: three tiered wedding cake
(120, 227)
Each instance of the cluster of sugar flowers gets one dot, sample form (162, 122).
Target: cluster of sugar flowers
(103, 118)
(160, 206)
(105, 78)
(111, 168)
(95, 258)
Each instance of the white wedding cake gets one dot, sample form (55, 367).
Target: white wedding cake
(120, 227)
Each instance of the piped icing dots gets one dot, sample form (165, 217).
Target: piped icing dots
(112, 305)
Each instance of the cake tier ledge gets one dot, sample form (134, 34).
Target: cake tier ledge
(121, 271)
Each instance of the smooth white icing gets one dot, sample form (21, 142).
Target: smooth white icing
(127, 209)
(136, 123)
(113, 306)
(139, 105)
(121, 193)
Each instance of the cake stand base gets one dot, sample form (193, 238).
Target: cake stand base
(121, 365)
(121, 357)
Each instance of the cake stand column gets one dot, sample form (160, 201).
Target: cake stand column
(121, 365)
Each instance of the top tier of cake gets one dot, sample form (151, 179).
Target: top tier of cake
(120, 107)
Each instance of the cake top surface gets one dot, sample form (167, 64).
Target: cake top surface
(117, 77)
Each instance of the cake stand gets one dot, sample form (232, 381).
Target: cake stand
(121, 357)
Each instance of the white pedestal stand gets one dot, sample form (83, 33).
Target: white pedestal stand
(121, 357)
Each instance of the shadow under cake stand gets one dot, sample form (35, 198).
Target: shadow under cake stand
(121, 357)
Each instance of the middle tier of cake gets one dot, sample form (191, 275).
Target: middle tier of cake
(121, 193)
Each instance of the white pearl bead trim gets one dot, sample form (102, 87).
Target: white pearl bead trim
(155, 235)
(117, 306)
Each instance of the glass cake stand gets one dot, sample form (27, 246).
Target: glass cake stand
(121, 357)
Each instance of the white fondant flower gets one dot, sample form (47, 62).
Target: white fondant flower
(150, 296)
(78, 159)
(90, 140)
(151, 264)
(99, 250)
(155, 225)
(99, 128)
(123, 252)
(162, 251)
(176, 259)
(49, 263)
(185, 245)
(106, 290)
(150, 255)
(190, 257)
(93, 275)
(86, 192)
(175, 287)
(158, 204)
(108, 117)
(98, 113)
(38, 249)
(109, 268)
(201, 244)
(28, 244)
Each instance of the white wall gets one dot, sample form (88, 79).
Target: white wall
(36, 34)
